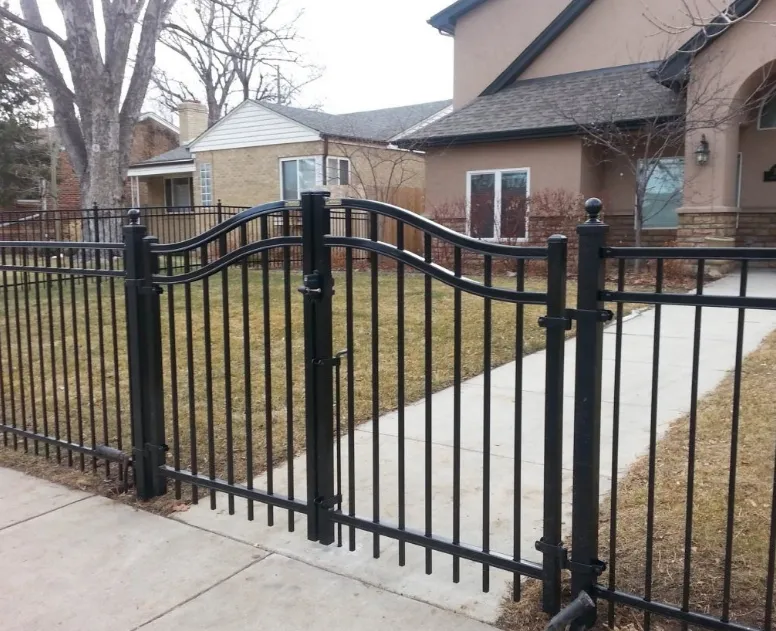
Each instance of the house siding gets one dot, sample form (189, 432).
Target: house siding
(251, 125)
(248, 176)
(489, 38)
(613, 33)
(555, 163)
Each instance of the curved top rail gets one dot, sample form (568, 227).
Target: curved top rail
(235, 221)
(442, 232)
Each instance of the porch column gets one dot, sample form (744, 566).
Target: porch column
(709, 208)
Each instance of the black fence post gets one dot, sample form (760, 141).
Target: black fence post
(145, 360)
(96, 220)
(584, 565)
(318, 290)
(556, 324)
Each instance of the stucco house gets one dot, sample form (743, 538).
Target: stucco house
(261, 152)
(532, 78)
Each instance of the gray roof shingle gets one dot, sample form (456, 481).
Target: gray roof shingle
(377, 125)
(555, 105)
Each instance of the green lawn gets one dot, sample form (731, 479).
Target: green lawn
(92, 401)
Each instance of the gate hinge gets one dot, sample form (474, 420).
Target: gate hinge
(561, 553)
(329, 502)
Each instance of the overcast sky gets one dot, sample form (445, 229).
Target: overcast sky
(376, 54)
(373, 54)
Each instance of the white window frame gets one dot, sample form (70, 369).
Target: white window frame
(497, 202)
(318, 171)
(206, 184)
(338, 159)
(173, 209)
(768, 97)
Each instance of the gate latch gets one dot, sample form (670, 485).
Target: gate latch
(561, 553)
(329, 502)
(547, 322)
(312, 285)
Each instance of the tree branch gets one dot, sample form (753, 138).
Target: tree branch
(34, 26)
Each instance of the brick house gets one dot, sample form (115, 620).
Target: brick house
(528, 75)
(152, 136)
(262, 152)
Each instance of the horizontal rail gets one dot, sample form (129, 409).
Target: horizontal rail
(240, 490)
(228, 259)
(493, 559)
(235, 221)
(63, 245)
(438, 272)
(698, 619)
(63, 271)
(442, 232)
(102, 451)
(732, 254)
(691, 300)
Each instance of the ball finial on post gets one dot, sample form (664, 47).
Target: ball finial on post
(134, 216)
(593, 208)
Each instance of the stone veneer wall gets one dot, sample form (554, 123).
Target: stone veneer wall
(621, 233)
(695, 227)
(756, 229)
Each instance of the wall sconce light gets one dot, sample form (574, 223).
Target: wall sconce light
(703, 151)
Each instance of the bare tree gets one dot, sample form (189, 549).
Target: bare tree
(239, 50)
(709, 18)
(95, 123)
(379, 172)
(644, 147)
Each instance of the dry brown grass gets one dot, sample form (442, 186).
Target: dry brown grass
(108, 408)
(752, 514)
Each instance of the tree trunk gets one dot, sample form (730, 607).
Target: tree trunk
(102, 185)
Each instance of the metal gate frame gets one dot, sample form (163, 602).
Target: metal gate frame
(323, 502)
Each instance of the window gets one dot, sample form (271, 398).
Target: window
(177, 194)
(664, 192)
(297, 175)
(497, 204)
(206, 184)
(767, 119)
(338, 171)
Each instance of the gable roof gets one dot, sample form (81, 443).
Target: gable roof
(555, 29)
(675, 68)
(377, 125)
(556, 106)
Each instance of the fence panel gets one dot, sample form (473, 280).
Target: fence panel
(63, 369)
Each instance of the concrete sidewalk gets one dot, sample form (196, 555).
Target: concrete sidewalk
(675, 372)
(74, 561)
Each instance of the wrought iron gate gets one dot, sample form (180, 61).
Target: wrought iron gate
(324, 425)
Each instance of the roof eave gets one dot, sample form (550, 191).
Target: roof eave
(446, 19)
(675, 70)
(523, 134)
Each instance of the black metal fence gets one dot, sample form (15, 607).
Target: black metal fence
(209, 371)
(168, 224)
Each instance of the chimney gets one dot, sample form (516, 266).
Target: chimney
(192, 120)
